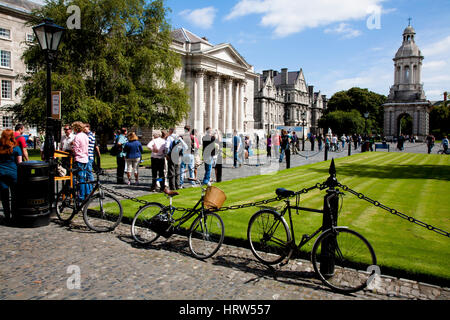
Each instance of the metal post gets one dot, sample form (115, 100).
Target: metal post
(303, 139)
(330, 207)
(349, 148)
(326, 151)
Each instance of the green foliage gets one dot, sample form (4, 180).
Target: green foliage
(117, 70)
(341, 122)
(440, 121)
(363, 101)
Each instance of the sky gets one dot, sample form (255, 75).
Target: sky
(339, 44)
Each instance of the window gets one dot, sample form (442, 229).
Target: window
(5, 33)
(30, 37)
(6, 89)
(7, 122)
(5, 58)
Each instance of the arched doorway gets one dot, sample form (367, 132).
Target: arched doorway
(405, 124)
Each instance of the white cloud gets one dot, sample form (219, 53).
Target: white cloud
(202, 18)
(288, 17)
(345, 30)
(437, 48)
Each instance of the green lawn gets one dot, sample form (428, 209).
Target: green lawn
(414, 184)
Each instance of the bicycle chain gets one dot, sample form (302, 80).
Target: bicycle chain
(393, 211)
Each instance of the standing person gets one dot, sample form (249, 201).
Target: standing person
(93, 151)
(188, 158)
(236, 147)
(133, 155)
(18, 134)
(285, 148)
(294, 143)
(66, 139)
(400, 142)
(219, 156)
(80, 150)
(120, 158)
(208, 154)
(313, 140)
(173, 159)
(355, 141)
(343, 139)
(10, 157)
(195, 146)
(269, 146)
(430, 142)
(276, 144)
(319, 141)
(444, 144)
(157, 148)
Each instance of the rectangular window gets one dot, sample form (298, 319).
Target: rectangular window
(6, 89)
(5, 59)
(30, 37)
(5, 33)
(7, 122)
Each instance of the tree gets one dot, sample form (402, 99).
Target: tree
(361, 100)
(341, 122)
(117, 70)
(440, 121)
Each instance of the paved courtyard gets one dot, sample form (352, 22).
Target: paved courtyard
(71, 262)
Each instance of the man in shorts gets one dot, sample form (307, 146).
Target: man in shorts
(18, 134)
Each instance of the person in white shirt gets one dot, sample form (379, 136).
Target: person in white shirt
(157, 146)
(67, 139)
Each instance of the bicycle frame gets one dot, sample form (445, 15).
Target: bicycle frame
(188, 214)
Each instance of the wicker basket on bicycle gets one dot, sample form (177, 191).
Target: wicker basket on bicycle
(214, 198)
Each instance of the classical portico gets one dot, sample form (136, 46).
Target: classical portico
(220, 82)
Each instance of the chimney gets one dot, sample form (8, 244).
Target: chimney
(284, 76)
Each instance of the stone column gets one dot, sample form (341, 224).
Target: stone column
(200, 103)
(211, 104)
(215, 123)
(237, 110)
(229, 83)
(241, 107)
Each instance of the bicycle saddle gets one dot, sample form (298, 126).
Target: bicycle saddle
(283, 193)
(170, 193)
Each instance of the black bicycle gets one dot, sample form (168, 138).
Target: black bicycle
(340, 256)
(206, 233)
(102, 211)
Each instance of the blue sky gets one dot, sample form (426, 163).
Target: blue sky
(338, 44)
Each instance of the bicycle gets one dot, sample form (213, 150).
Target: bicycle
(206, 233)
(102, 212)
(340, 256)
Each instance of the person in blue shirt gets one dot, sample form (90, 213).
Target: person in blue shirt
(120, 158)
(10, 157)
(133, 154)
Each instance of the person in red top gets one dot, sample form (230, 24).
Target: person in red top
(21, 142)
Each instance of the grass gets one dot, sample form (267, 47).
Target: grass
(414, 184)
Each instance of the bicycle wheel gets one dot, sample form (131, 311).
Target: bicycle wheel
(206, 235)
(140, 226)
(103, 212)
(342, 257)
(65, 205)
(269, 237)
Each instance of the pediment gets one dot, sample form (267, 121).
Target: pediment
(226, 52)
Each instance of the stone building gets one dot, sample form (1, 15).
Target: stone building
(282, 97)
(14, 38)
(220, 83)
(407, 97)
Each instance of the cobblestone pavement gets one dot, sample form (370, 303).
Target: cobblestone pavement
(42, 263)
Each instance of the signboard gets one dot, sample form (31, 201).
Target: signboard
(290, 129)
(56, 104)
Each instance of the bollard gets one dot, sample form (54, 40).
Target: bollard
(326, 152)
(329, 219)
(349, 149)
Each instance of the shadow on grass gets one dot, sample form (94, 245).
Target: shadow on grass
(395, 171)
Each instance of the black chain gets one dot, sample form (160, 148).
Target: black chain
(393, 211)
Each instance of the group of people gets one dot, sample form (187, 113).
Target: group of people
(173, 157)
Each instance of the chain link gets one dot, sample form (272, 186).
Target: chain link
(393, 211)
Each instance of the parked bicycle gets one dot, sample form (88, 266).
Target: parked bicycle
(340, 256)
(206, 233)
(102, 211)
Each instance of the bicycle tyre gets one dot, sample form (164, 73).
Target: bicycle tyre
(66, 207)
(206, 235)
(101, 216)
(140, 225)
(353, 254)
(266, 247)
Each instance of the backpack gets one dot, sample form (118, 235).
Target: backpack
(116, 149)
(176, 144)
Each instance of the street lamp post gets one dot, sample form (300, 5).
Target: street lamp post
(49, 37)
(366, 136)
(303, 129)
